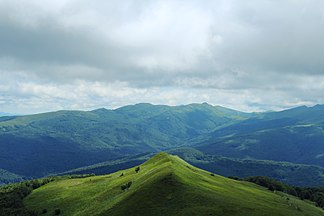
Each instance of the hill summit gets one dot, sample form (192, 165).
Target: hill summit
(163, 185)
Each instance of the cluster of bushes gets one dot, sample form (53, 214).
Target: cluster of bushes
(74, 176)
(11, 197)
(126, 186)
(313, 194)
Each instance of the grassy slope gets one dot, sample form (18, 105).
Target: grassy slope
(165, 185)
(289, 173)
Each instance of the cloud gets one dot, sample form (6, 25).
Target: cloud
(67, 54)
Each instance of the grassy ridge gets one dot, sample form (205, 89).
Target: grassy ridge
(164, 185)
(289, 173)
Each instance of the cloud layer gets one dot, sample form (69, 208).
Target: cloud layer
(252, 56)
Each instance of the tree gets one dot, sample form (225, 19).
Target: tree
(271, 187)
(126, 186)
(57, 211)
(123, 187)
(129, 184)
(137, 169)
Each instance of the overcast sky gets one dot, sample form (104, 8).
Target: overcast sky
(85, 54)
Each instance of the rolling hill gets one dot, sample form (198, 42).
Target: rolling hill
(163, 185)
(289, 173)
(37, 145)
(56, 142)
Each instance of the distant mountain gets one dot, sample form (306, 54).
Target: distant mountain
(5, 114)
(164, 185)
(294, 135)
(37, 145)
(8, 177)
(55, 142)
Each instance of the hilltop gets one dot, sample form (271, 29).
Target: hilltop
(163, 185)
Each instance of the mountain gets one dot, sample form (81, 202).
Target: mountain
(56, 142)
(295, 135)
(5, 114)
(37, 145)
(8, 177)
(164, 185)
(289, 173)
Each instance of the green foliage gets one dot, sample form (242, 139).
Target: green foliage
(11, 197)
(137, 169)
(129, 184)
(126, 186)
(313, 194)
(123, 187)
(166, 185)
(57, 211)
(73, 176)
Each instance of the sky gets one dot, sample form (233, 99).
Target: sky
(253, 55)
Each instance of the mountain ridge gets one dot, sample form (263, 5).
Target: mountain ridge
(49, 143)
(96, 136)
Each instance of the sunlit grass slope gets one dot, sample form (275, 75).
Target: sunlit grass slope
(164, 185)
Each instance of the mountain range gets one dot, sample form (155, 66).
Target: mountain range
(43, 144)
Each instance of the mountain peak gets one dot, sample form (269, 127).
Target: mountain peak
(163, 157)
(164, 185)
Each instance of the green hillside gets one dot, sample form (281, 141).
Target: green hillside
(164, 185)
(44, 144)
(289, 173)
(294, 135)
(41, 144)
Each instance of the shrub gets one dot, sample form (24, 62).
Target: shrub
(126, 186)
(137, 169)
(123, 187)
(129, 184)
(235, 178)
(57, 211)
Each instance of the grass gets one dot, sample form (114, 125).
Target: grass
(164, 185)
